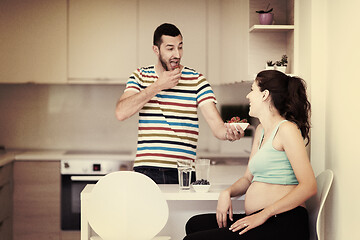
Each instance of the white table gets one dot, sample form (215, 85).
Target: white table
(182, 205)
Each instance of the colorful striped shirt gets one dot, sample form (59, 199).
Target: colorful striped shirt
(168, 123)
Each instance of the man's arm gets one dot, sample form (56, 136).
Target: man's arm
(131, 102)
(221, 130)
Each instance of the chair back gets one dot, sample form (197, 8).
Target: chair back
(316, 203)
(127, 205)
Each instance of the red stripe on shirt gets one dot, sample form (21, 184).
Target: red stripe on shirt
(169, 129)
(173, 103)
(210, 97)
(162, 155)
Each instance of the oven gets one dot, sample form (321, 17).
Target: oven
(76, 173)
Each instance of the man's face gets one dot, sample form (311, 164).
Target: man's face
(170, 52)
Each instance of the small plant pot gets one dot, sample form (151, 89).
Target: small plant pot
(281, 68)
(266, 18)
(267, 67)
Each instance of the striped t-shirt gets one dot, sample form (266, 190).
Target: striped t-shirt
(168, 123)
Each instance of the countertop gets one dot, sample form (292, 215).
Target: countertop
(172, 192)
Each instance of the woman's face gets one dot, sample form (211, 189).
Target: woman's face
(255, 97)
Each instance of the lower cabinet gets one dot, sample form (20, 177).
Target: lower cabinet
(6, 172)
(36, 203)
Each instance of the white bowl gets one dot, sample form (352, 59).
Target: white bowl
(201, 188)
(242, 125)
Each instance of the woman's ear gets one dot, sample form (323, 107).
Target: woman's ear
(266, 95)
(156, 50)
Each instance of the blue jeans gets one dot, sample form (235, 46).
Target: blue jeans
(162, 175)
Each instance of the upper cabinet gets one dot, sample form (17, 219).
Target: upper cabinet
(227, 40)
(102, 40)
(33, 41)
(270, 42)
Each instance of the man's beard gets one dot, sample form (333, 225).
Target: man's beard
(163, 63)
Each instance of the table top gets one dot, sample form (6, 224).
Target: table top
(172, 192)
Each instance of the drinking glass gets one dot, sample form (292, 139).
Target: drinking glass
(184, 173)
(202, 169)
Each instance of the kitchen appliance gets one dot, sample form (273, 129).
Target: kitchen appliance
(79, 169)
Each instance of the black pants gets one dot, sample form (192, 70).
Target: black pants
(162, 175)
(290, 225)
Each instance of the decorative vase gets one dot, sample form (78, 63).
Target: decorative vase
(266, 18)
(267, 67)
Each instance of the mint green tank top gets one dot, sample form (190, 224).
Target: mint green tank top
(269, 165)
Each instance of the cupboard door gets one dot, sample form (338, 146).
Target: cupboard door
(102, 40)
(33, 41)
(36, 200)
(188, 15)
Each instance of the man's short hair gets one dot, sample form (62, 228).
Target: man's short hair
(167, 29)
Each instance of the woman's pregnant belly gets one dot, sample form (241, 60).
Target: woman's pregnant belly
(260, 195)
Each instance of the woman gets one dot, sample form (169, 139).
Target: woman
(279, 177)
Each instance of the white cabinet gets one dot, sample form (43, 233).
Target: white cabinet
(227, 40)
(33, 41)
(270, 42)
(103, 40)
(189, 16)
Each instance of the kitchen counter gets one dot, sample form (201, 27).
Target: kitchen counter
(6, 158)
(182, 206)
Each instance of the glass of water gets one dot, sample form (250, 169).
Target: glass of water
(202, 169)
(184, 172)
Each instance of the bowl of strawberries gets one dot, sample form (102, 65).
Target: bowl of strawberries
(239, 123)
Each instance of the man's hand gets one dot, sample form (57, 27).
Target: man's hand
(169, 79)
(233, 134)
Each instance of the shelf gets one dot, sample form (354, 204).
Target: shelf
(271, 28)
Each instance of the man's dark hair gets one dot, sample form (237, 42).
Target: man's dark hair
(167, 29)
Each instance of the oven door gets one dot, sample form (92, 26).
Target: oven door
(71, 187)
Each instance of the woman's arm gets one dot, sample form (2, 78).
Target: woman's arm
(236, 189)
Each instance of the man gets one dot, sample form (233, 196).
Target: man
(167, 96)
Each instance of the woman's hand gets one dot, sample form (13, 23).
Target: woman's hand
(249, 222)
(223, 207)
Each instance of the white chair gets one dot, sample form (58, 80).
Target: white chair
(127, 205)
(316, 203)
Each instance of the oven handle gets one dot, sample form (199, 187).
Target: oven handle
(85, 178)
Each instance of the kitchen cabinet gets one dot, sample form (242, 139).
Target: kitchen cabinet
(36, 210)
(270, 42)
(103, 40)
(33, 41)
(227, 40)
(6, 174)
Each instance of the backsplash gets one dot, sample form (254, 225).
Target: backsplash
(81, 117)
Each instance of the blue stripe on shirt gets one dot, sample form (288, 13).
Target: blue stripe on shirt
(206, 92)
(167, 149)
(176, 97)
(170, 123)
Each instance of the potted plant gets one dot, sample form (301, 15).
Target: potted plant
(266, 16)
(282, 64)
(270, 65)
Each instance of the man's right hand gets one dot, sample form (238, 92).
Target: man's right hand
(169, 79)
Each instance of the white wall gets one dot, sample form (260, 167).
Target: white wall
(334, 45)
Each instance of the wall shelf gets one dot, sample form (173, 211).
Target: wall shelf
(271, 28)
